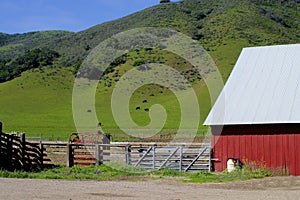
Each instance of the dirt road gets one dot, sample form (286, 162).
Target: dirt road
(268, 188)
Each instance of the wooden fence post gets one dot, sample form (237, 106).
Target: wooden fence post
(99, 154)
(106, 149)
(9, 151)
(128, 152)
(23, 150)
(70, 161)
(41, 154)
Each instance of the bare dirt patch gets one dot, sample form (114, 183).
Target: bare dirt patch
(167, 188)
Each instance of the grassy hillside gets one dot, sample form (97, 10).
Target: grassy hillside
(148, 95)
(40, 100)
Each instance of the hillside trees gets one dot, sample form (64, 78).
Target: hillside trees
(164, 1)
(35, 58)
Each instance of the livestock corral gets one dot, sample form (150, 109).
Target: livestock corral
(153, 156)
(95, 149)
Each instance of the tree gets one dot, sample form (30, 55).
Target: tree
(164, 1)
(35, 58)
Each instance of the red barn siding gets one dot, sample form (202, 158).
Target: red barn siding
(276, 146)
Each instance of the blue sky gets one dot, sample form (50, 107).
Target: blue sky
(19, 16)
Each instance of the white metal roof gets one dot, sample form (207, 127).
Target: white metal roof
(263, 88)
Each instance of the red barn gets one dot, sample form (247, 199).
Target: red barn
(256, 118)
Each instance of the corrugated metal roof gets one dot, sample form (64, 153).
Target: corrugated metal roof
(263, 88)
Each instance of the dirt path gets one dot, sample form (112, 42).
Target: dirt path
(268, 188)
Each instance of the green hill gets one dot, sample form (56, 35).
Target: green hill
(40, 100)
(12, 46)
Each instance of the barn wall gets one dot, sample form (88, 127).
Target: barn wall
(275, 146)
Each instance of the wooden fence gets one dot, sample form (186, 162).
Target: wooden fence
(18, 154)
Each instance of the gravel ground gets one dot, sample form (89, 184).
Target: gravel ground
(167, 188)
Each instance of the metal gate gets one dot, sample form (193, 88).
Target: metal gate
(173, 157)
